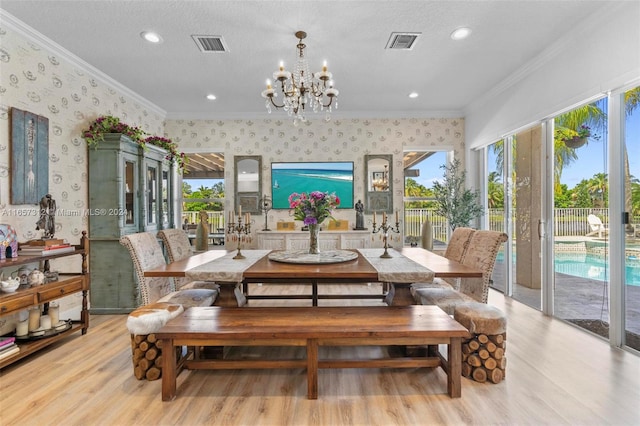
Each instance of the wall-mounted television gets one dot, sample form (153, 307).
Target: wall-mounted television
(326, 176)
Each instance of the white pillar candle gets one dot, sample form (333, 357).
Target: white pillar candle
(34, 318)
(54, 313)
(22, 328)
(45, 322)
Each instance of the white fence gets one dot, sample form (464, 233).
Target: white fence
(567, 222)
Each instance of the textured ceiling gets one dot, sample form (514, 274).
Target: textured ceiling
(351, 35)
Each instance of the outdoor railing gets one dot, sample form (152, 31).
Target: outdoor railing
(216, 220)
(567, 222)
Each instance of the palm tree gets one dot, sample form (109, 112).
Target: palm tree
(598, 188)
(495, 191)
(567, 124)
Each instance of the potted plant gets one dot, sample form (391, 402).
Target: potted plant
(456, 203)
(110, 124)
(172, 150)
(574, 138)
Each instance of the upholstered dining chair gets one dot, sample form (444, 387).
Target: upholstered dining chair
(178, 247)
(481, 254)
(456, 249)
(146, 253)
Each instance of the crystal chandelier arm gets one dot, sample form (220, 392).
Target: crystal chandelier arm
(274, 104)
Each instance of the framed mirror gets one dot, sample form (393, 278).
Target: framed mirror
(378, 173)
(247, 183)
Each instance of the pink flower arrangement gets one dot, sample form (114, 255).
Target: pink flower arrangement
(313, 207)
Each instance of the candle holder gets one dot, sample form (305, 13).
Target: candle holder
(265, 206)
(385, 229)
(239, 231)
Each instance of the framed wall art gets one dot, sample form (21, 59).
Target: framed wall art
(29, 157)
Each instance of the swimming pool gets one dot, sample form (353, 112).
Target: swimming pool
(590, 266)
(594, 267)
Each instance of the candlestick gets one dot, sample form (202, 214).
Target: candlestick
(385, 228)
(34, 318)
(265, 206)
(45, 322)
(240, 231)
(54, 313)
(22, 328)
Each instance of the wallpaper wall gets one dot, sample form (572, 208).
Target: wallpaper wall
(43, 82)
(36, 80)
(277, 139)
(41, 79)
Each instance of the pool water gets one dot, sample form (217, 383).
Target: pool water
(591, 266)
(594, 267)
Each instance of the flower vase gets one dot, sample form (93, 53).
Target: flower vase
(314, 230)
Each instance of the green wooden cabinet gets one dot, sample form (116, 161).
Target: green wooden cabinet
(129, 192)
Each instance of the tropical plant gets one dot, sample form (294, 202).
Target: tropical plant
(495, 191)
(313, 207)
(459, 205)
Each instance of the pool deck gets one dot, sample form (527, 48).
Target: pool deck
(578, 298)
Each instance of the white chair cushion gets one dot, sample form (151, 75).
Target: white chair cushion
(149, 319)
(190, 298)
(445, 298)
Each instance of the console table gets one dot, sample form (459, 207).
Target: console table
(328, 240)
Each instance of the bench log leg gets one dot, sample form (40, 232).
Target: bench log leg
(454, 372)
(312, 369)
(169, 371)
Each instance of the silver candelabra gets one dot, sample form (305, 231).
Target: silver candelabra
(385, 228)
(239, 231)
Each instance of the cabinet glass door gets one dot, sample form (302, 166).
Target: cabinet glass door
(129, 191)
(152, 195)
(165, 191)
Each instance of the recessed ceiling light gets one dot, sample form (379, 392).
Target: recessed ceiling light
(413, 95)
(460, 33)
(211, 97)
(151, 37)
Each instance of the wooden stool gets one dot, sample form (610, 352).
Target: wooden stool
(146, 350)
(483, 355)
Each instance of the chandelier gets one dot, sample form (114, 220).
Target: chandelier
(301, 89)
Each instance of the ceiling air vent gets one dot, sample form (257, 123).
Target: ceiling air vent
(402, 41)
(210, 43)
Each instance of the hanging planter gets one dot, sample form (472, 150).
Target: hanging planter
(575, 142)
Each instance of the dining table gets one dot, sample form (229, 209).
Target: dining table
(407, 266)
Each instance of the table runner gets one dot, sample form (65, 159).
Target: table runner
(398, 269)
(226, 268)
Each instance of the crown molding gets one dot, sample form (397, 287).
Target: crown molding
(13, 23)
(316, 117)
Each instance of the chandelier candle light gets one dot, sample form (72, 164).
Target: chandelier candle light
(385, 232)
(302, 88)
(239, 231)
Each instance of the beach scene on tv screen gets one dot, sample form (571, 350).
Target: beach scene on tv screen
(332, 177)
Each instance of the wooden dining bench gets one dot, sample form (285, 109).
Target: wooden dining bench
(312, 327)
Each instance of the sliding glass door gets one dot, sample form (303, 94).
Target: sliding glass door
(631, 167)
(514, 198)
(581, 218)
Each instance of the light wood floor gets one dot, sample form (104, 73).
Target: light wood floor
(556, 374)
